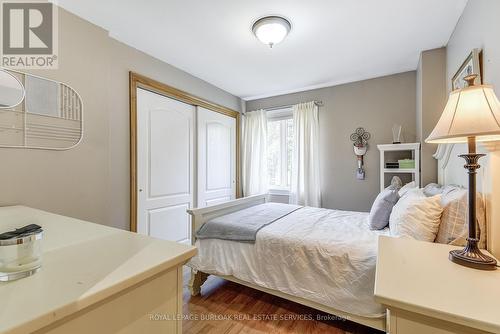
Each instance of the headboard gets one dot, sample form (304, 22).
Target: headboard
(451, 171)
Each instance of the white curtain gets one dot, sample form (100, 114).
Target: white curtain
(305, 183)
(254, 153)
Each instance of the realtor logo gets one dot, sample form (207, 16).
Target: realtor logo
(29, 35)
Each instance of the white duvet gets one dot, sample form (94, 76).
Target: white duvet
(326, 256)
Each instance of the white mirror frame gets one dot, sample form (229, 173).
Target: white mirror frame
(20, 84)
(7, 70)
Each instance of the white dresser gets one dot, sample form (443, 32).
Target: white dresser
(424, 292)
(94, 279)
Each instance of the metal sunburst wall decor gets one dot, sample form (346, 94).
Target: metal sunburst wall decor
(360, 137)
(360, 141)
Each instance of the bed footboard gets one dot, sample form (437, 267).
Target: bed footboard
(201, 215)
(196, 281)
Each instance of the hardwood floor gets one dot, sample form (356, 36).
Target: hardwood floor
(226, 307)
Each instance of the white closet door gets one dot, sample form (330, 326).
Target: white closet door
(165, 155)
(216, 158)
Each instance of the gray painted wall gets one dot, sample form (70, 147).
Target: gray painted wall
(479, 27)
(374, 104)
(431, 99)
(91, 181)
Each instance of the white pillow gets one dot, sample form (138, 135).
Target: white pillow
(454, 228)
(433, 189)
(404, 189)
(416, 216)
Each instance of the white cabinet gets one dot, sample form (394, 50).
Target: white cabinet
(404, 322)
(427, 293)
(94, 279)
(392, 152)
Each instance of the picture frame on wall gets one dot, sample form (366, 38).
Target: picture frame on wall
(471, 65)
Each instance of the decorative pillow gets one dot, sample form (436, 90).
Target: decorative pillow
(396, 182)
(454, 228)
(382, 207)
(406, 188)
(416, 216)
(433, 189)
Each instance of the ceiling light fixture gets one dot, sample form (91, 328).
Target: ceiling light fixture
(271, 30)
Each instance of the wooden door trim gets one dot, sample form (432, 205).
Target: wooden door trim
(140, 81)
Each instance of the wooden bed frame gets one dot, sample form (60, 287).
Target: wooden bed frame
(201, 215)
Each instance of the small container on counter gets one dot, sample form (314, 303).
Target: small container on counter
(20, 252)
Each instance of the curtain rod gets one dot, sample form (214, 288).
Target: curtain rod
(318, 103)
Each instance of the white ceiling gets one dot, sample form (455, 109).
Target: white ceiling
(331, 42)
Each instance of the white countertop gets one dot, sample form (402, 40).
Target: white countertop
(417, 276)
(83, 263)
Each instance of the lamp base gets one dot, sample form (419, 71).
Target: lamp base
(471, 256)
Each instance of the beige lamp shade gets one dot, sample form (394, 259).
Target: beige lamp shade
(470, 112)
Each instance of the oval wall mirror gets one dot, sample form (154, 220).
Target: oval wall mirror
(39, 113)
(11, 90)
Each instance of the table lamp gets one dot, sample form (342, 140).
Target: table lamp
(471, 114)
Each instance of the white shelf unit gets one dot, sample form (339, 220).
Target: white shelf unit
(411, 148)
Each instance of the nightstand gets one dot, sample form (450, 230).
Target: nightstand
(424, 292)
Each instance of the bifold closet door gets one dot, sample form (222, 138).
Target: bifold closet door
(165, 166)
(216, 158)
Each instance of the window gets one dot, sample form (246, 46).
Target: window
(279, 148)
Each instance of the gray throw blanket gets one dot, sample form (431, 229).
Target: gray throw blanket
(243, 225)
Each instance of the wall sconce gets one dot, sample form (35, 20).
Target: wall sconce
(360, 141)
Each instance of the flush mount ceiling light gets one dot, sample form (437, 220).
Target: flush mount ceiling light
(271, 30)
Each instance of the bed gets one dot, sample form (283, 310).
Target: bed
(344, 281)
(334, 249)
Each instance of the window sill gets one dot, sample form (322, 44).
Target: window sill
(280, 192)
